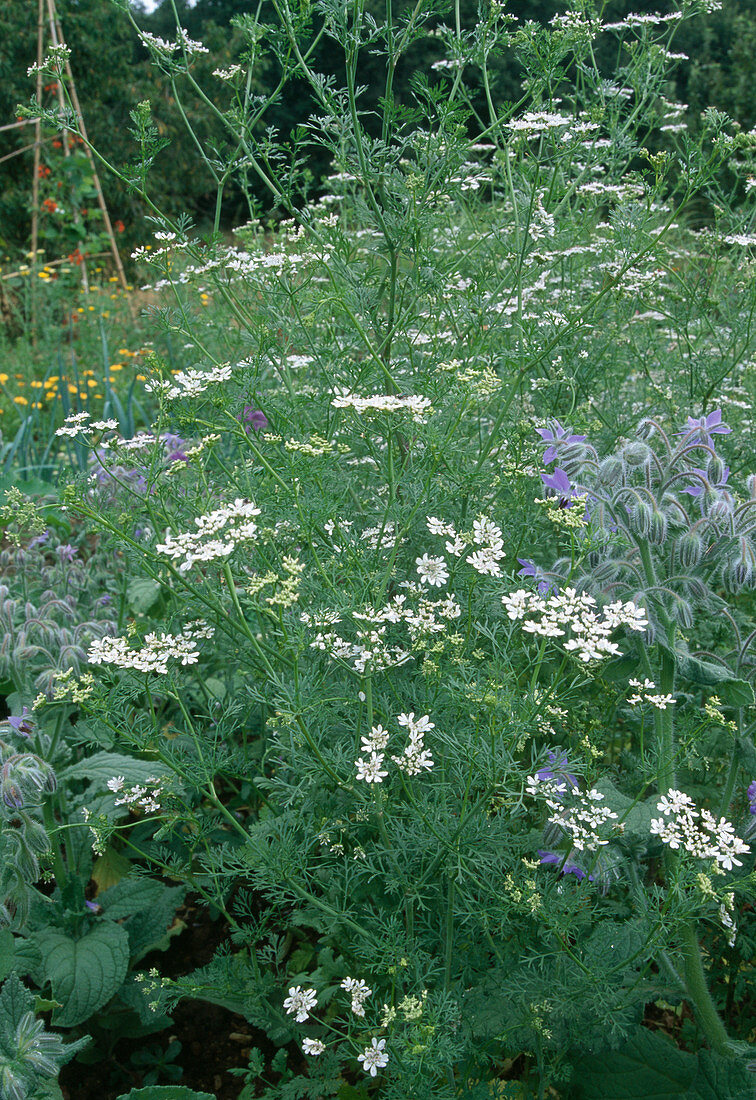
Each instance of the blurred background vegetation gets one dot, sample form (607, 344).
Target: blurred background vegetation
(112, 72)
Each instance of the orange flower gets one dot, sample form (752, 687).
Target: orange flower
(43, 171)
(50, 205)
(119, 226)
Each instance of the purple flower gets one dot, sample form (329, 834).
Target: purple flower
(752, 797)
(555, 433)
(707, 425)
(93, 906)
(698, 487)
(20, 724)
(530, 569)
(177, 456)
(172, 442)
(39, 540)
(103, 601)
(255, 418)
(560, 483)
(66, 553)
(557, 769)
(569, 868)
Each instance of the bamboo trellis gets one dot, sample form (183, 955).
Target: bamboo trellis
(49, 22)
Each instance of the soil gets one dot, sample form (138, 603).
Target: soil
(213, 1040)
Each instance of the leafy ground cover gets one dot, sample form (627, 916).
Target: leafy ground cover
(378, 638)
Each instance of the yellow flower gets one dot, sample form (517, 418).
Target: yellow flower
(19, 400)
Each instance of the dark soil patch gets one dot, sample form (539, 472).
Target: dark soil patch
(213, 1040)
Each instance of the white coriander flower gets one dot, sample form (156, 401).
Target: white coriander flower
(116, 783)
(377, 740)
(374, 1057)
(456, 546)
(370, 770)
(313, 1046)
(432, 570)
(300, 1002)
(438, 527)
(359, 992)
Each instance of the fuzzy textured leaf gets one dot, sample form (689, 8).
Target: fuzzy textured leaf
(645, 1068)
(84, 973)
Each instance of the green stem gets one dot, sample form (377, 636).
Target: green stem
(699, 995)
(52, 831)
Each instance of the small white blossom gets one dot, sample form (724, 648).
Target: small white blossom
(300, 1003)
(432, 571)
(374, 1057)
(371, 770)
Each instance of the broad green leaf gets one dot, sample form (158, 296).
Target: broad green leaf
(154, 928)
(110, 869)
(721, 1079)
(104, 765)
(142, 594)
(129, 896)
(636, 818)
(15, 1001)
(84, 973)
(733, 691)
(647, 1067)
(165, 1092)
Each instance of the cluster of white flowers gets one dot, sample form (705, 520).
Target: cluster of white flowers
(53, 62)
(190, 383)
(416, 405)
(577, 813)
(217, 535)
(374, 1057)
(154, 654)
(142, 798)
(372, 648)
(359, 992)
(313, 1047)
(577, 612)
(300, 1003)
(415, 758)
(432, 571)
(489, 543)
(80, 423)
(370, 769)
(537, 123)
(165, 48)
(486, 537)
(228, 74)
(697, 831)
(646, 693)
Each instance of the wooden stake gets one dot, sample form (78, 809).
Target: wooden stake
(37, 161)
(57, 38)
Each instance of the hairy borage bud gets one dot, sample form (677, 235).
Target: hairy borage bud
(689, 549)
